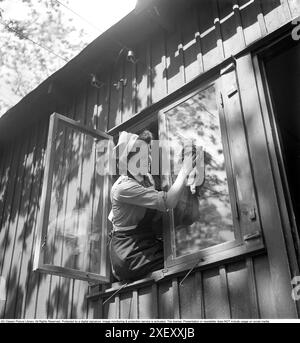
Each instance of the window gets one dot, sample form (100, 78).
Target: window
(222, 221)
(73, 221)
(219, 222)
(196, 118)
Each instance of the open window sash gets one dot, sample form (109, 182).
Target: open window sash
(73, 226)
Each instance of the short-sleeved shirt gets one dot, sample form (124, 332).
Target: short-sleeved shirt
(130, 199)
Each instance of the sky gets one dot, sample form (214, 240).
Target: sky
(93, 16)
(100, 13)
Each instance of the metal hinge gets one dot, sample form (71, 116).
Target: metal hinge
(44, 242)
(251, 236)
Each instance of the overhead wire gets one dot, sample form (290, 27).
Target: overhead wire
(92, 25)
(21, 35)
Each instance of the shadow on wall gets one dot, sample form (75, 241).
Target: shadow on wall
(22, 164)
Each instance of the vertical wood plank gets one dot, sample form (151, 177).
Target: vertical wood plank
(16, 155)
(174, 61)
(294, 6)
(158, 62)
(225, 291)
(110, 310)
(261, 18)
(250, 12)
(217, 23)
(135, 297)
(239, 290)
(103, 104)
(199, 294)
(34, 278)
(147, 302)
(239, 25)
(176, 309)
(252, 289)
(24, 234)
(230, 27)
(129, 94)
(265, 295)
(12, 224)
(79, 303)
(117, 309)
(92, 114)
(165, 300)
(286, 10)
(95, 309)
(273, 14)
(26, 276)
(208, 35)
(15, 289)
(5, 164)
(215, 299)
(116, 94)
(190, 296)
(128, 305)
(155, 297)
(191, 42)
(143, 76)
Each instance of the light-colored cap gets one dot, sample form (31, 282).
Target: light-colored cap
(125, 144)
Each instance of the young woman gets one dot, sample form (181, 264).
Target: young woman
(134, 249)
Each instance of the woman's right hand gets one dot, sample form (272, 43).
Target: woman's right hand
(189, 162)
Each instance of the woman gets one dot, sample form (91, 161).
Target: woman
(134, 249)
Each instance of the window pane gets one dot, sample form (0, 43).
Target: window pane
(74, 234)
(205, 220)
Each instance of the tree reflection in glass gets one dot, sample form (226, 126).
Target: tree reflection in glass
(210, 223)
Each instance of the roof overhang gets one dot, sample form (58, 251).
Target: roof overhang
(148, 17)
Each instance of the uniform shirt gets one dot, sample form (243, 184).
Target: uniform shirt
(130, 199)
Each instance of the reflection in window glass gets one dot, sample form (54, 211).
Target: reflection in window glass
(203, 220)
(74, 231)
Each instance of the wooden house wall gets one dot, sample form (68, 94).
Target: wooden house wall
(204, 36)
(237, 290)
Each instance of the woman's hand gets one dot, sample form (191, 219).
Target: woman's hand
(189, 162)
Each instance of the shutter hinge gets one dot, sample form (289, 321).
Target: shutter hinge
(44, 242)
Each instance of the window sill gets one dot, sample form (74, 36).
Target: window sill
(182, 270)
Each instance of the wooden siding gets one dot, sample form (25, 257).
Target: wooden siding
(237, 290)
(204, 36)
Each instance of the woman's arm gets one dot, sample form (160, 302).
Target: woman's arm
(175, 191)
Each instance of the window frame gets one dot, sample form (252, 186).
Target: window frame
(169, 238)
(220, 253)
(42, 231)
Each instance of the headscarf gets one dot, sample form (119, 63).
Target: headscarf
(125, 145)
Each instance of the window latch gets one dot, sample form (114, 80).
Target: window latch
(252, 214)
(251, 236)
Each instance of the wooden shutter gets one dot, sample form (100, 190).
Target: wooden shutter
(72, 237)
(247, 208)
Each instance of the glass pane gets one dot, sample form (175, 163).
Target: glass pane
(203, 220)
(75, 238)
